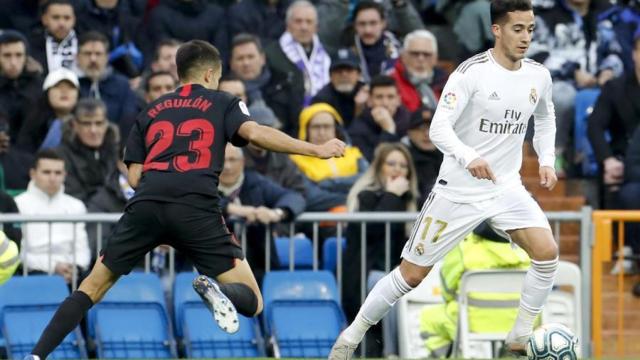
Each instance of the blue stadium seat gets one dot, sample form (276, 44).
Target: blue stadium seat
(27, 304)
(201, 337)
(302, 312)
(329, 253)
(303, 252)
(132, 321)
(585, 100)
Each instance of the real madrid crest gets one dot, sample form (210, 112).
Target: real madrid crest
(533, 96)
(419, 250)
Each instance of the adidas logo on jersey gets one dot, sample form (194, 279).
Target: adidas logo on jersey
(494, 96)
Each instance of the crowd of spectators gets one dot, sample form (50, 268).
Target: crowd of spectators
(74, 74)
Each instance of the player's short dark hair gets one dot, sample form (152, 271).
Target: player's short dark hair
(246, 38)
(147, 79)
(366, 5)
(92, 36)
(45, 7)
(196, 54)
(89, 105)
(162, 43)
(48, 154)
(500, 8)
(381, 81)
(230, 77)
(12, 37)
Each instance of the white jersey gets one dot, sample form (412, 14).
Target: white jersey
(483, 112)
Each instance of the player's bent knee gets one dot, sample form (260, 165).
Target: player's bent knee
(546, 251)
(413, 274)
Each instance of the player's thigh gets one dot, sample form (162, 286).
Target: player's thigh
(203, 237)
(439, 227)
(520, 218)
(137, 232)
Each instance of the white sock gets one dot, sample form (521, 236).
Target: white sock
(379, 301)
(535, 290)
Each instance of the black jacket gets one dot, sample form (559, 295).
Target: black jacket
(8, 205)
(366, 134)
(16, 95)
(344, 103)
(88, 169)
(376, 201)
(258, 18)
(632, 160)
(117, 24)
(15, 164)
(617, 111)
(427, 164)
(278, 167)
(181, 20)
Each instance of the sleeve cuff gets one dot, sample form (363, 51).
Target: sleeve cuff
(547, 160)
(468, 155)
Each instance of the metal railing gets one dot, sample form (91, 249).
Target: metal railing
(341, 220)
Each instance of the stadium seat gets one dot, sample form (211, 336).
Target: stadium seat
(302, 312)
(585, 100)
(302, 252)
(478, 282)
(410, 343)
(200, 335)
(330, 253)
(27, 304)
(131, 321)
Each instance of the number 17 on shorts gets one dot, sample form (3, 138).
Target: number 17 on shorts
(439, 227)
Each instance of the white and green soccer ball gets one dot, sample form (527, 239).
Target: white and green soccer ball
(552, 342)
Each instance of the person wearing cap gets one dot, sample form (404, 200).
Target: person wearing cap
(377, 48)
(18, 84)
(55, 43)
(320, 123)
(346, 93)
(426, 157)
(54, 107)
(420, 80)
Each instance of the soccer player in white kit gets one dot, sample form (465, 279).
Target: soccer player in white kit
(479, 125)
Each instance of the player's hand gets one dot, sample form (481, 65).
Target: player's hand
(383, 118)
(398, 186)
(332, 148)
(480, 169)
(548, 178)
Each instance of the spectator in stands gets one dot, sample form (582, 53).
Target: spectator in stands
(384, 120)
(264, 88)
(258, 109)
(18, 85)
(298, 55)
(20, 15)
(265, 19)
(89, 149)
(186, 20)
(402, 18)
(12, 230)
(320, 123)
(420, 81)
(14, 163)
(483, 249)
(44, 121)
(114, 20)
(376, 47)
(564, 41)
(630, 190)
(164, 57)
(9, 257)
(389, 185)
(67, 247)
(618, 27)
(426, 157)
(98, 81)
(256, 201)
(346, 93)
(55, 44)
(616, 112)
(157, 84)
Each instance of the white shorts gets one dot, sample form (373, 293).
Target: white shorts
(443, 223)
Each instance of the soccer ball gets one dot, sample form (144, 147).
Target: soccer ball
(552, 342)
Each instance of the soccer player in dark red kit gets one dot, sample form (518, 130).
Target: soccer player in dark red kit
(175, 153)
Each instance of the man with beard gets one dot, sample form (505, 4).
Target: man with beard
(346, 93)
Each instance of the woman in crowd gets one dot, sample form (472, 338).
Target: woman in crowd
(389, 185)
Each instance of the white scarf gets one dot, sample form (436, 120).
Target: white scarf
(63, 53)
(315, 69)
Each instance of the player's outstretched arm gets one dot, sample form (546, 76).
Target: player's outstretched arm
(275, 140)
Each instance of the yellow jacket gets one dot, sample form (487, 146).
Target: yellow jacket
(9, 258)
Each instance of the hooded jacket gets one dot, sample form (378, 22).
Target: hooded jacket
(348, 168)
